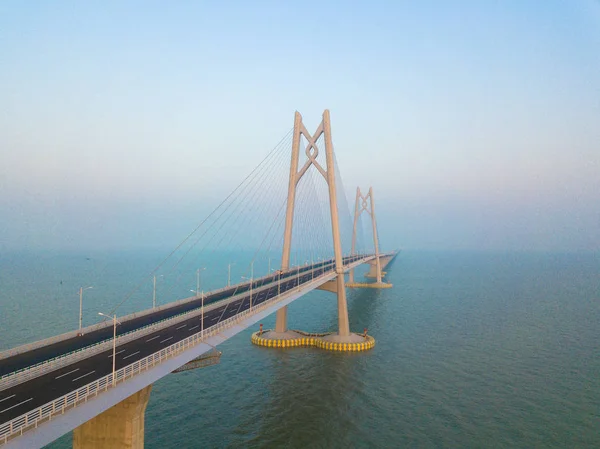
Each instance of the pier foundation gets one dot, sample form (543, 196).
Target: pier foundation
(119, 427)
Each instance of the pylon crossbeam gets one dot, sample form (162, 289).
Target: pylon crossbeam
(311, 155)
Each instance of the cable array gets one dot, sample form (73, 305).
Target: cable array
(242, 237)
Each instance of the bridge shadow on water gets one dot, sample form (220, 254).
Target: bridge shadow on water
(318, 398)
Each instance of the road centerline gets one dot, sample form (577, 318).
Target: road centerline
(16, 405)
(81, 377)
(8, 397)
(131, 355)
(66, 374)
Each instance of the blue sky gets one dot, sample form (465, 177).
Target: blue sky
(476, 123)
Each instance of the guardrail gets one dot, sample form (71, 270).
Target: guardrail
(71, 334)
(34, 418)
(25, 374)
(67, 335)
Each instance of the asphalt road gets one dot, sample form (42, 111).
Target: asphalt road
(21, 398)
(48, 352)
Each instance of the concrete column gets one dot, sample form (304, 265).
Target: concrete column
(281, 316)
(375, 237)
(119, 427)
(357, 212)
(343, 322)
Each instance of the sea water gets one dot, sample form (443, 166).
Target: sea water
(473, 350)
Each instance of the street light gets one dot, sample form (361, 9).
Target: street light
(229, 273)
(115, 321)
(198, 279)
(278, 272)
(201, 312)
(154, 292)
(81, 289)
(251, 281)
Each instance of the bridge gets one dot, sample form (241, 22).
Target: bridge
(96, 380)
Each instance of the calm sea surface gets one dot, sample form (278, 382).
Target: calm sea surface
(473, 350)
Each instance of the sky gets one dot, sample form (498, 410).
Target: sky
(123, 123)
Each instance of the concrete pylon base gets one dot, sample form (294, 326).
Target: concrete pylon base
(287, 335)
(119, 427)
(329, 341)
(336, 338)
(368, 285)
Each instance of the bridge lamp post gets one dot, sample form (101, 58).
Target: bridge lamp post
(198, 279)
(278, 272)
(81, 290)
(115, 322)
(201, 294)
(251, 278)
(154, 291)
(202, 317)
(229, 273)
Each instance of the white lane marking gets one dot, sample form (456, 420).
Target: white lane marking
(10, 408)
(8, 397)
(81, 377)
(117, 353)
(66, 374)
(131, 355)
(153, 338)
(181, 326)
(166, 339)
(192, 328)
(215, 318)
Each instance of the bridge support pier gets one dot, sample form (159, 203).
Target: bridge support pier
(119, 427)
(281, 333)
(366, 203)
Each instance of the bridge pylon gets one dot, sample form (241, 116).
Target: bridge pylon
(281, 331)
(366, 203)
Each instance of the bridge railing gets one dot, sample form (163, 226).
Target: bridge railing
(37, 416)
(107, 323)
(10, 379)
(31, 372)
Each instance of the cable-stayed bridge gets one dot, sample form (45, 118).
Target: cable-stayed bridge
(96, 380)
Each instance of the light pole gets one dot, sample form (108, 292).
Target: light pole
(202, 316)
(278, 273)
(154, 291)
(81, 289)
(251, 281)
(115, 321)
(229, 273)
(198, 279)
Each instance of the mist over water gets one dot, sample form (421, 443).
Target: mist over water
(473, 350)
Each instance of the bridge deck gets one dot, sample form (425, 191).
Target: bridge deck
(19, 399)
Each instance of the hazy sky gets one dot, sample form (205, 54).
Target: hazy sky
(476, 122)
